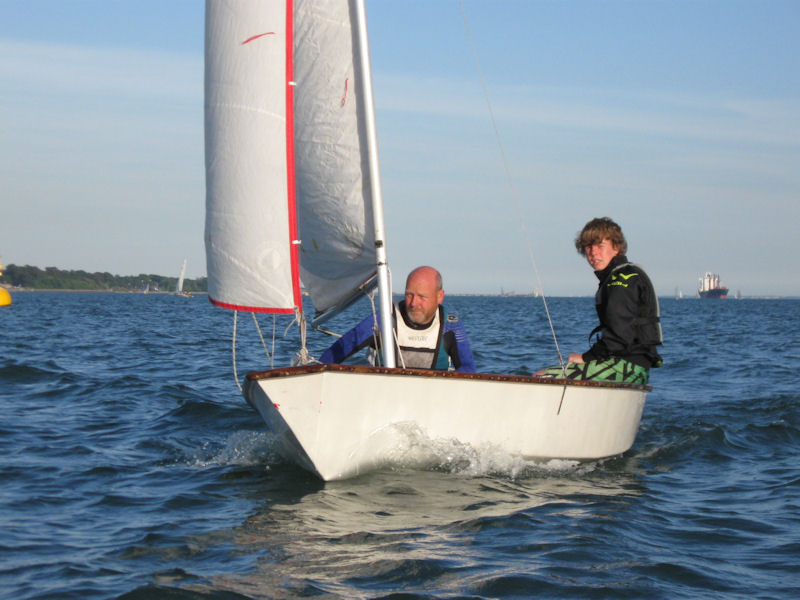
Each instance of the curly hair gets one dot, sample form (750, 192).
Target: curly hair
(597, 230)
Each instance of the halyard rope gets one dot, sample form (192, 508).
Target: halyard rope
(510, 181)
(302, 357)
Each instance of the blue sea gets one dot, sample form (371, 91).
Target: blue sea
(132, 468)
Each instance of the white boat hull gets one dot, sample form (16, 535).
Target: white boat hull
(341, 421)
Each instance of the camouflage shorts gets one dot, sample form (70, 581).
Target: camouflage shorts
(612, 369)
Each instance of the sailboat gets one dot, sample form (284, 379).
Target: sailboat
(179, 286)
(293, 195)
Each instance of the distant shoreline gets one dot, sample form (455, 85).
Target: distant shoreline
(454, 295)
(33, 290)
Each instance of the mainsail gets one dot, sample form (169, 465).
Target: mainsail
(287, 169)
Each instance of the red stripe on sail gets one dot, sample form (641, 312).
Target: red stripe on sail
(255, 37)
(293, 236)
(242, 307)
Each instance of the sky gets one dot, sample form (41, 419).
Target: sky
(679, 119)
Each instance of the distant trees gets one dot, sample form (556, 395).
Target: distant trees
(52, 278)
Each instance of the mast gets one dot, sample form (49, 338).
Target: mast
(384, 279)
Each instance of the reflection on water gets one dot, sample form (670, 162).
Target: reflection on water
(324, 538)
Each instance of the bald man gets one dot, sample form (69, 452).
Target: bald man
(427, 336)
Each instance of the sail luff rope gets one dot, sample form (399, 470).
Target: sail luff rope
(510, 181)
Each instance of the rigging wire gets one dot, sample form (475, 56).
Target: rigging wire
(375, 356)
(270, 354)
(510, 181)
(376, 336)
(233, 350)
(376, 331)
(261, 337)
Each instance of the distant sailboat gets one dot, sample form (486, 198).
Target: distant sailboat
(293, 191)
(179, 287)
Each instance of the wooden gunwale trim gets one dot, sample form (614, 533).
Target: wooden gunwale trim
(366, 370)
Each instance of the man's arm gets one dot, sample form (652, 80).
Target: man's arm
(351, 342)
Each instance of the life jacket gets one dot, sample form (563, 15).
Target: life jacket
(421, 347)
(648, 322)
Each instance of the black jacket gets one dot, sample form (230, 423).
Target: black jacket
(628, 309)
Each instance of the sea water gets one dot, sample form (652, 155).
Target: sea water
(132, 468)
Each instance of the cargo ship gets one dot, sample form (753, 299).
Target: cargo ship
(710, 287)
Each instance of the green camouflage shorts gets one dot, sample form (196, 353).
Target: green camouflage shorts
(612, 369)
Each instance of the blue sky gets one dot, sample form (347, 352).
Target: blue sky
(679, 119)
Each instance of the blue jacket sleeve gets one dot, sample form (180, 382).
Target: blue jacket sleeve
(351, 342)
(464, 361)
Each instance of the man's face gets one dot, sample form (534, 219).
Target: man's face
(422, 298)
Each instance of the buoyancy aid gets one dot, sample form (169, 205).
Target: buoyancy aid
(421, 346)
(647, 322)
